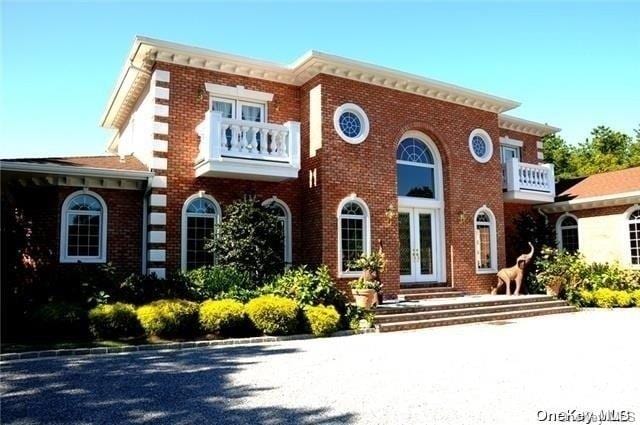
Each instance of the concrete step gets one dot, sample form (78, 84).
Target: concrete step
(454, 305)
(457, 320)
(425, 290)
(469, 311)
(431, 295)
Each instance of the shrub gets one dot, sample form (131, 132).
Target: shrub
(273, 315)
(585, 298)
(169, 318)
(212, 281)
(249, 239)
(222, 317)
(623, 299)
(114, 321)
(322, 320)
(60, 320)
(307, 288)
(635, 296)
(604, 298)
(142, 289)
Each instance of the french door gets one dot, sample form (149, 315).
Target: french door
(417, 230)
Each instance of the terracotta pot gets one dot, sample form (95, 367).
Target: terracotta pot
(365, 298)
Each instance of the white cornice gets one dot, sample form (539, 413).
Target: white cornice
(593, 202)
(146, 51)
(525, 126)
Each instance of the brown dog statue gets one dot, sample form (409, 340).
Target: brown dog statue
(509, 274)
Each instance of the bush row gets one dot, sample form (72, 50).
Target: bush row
(608, 298)
(176, 318)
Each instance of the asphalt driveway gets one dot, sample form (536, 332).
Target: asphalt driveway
(505, 373)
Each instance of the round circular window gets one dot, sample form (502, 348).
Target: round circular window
(480, 145)
(351, 123)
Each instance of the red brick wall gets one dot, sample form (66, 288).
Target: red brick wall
(42, 207)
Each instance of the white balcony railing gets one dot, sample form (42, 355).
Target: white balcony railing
(273, 150)
(529, 178)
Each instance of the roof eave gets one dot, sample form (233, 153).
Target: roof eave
(74, 170)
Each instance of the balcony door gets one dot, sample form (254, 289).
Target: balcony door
(418, 252)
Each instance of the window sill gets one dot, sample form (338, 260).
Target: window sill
(82, 260)
(486, 271)
(349, 274)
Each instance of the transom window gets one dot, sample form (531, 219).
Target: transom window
(416, 169)
(634, 237)
(353, 231)
(280, 210)
(201, 214)
(485, 241)
(568, 233)
(480, 145)
(83, 228)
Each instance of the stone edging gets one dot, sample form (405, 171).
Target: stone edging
(167, 346)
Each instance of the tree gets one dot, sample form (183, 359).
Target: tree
(249, 239)
(558, 152)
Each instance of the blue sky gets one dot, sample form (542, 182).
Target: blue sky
(574, 65)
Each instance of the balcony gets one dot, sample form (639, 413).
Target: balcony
(247, 150)
(528, 183)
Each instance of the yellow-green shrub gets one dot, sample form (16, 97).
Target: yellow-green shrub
(635, 296)
(604, 298)
(169, 318)
(273, 315)
(586, 298)
(623, 299)
(223, 317)
(114, 321)
(323, 321)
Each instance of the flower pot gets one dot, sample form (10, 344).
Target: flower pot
(554, 287)
(364, 298)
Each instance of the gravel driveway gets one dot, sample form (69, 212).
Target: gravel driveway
(501, 373)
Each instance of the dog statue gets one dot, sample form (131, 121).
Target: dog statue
(509, 274)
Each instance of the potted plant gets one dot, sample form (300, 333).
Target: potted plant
(372, 265)
(364, 292)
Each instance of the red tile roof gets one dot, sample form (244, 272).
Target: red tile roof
(109, 162)
(609, 183)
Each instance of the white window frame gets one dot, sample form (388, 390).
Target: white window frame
(559, 228)
(626, 238)
(493, 240)
(516, 149)
(183, 227)
(436, 166)
(64, 230)
(262, 106)
(239, 96)
(489, 154)
(366, 231)
(288, 250)
(364, 122)
(225, 100)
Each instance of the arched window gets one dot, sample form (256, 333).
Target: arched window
(415, 169)
(282, 211)
(634, 236)
(200, 215)
(485, 241)
(83, 230)
(567, 231)
(353, 233)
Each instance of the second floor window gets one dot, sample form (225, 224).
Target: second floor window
(239, 110)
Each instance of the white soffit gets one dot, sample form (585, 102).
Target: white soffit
(520, 125)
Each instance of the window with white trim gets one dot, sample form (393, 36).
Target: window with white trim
(282, 212)
(480, 145)
(239, 110)
(485, 240)
(83, 229)
(415, 168)
(507, 152)
(634, 237)
(200, 215)
(351, 123)
(353, 233)
(568, 233)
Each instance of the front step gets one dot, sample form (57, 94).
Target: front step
(442, 312)
(415, 292)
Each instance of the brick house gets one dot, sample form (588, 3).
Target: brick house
(349, 154)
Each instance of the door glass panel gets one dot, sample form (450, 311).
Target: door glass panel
(404, 229)
(426, 246)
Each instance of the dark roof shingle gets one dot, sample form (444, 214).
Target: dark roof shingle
(609, 183)
(108, 162)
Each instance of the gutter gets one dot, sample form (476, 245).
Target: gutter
(70, 170)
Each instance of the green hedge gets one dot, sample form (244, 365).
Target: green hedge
(114, 321)
(608, 298)
(59, 320)
(222, 317)
(322, 320)
(273, 315)
(169, 318)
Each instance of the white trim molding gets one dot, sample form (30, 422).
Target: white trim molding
(487, 139)
(507, 141)
(64, 229)
(183, 225)
(288, 239)
(366, 231)
(238, 92)
(521, 125)
(614, 199)
(362, 116)
(493, 240)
